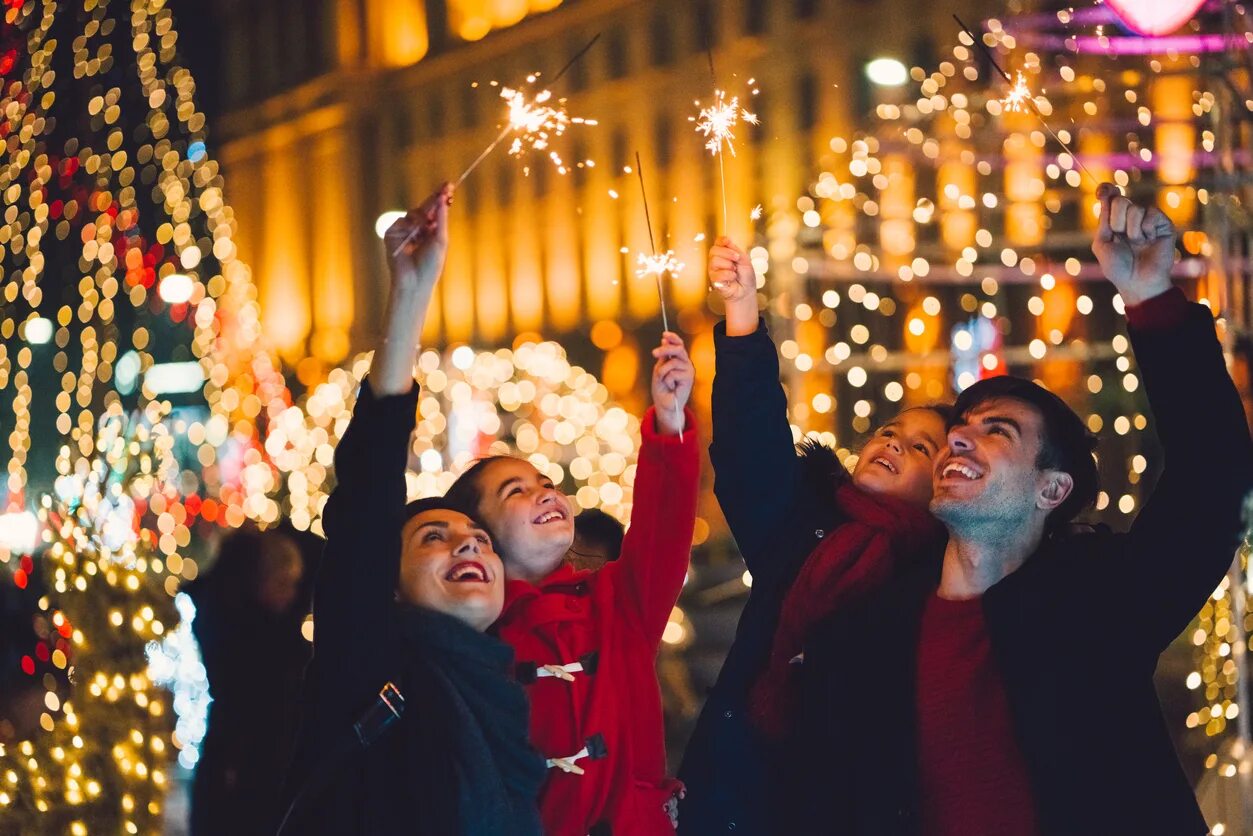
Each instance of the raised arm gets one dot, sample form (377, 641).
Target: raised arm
(753, 453)
(1184, 538)
(658, 543)
(363, 516)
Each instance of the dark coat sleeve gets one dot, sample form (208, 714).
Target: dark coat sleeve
(1184, 538)
(353, 605)
(756, 468)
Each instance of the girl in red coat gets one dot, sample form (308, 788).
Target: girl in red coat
(586, 642)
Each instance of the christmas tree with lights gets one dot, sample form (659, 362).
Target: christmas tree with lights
(101, 762)
(136, 390)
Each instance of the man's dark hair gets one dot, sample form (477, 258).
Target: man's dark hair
(593, 527)
(1065, 445)
(466, 493)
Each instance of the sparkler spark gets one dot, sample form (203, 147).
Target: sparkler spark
(717, 121)
(1016, 100)
(756, 213)
(536, 122)
(659, 264)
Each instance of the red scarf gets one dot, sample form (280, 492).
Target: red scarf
(856, 558)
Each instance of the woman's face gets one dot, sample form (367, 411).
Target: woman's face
(447, 564)
(897, 461)
(530, 518)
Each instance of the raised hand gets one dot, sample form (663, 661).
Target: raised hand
(416, 247)
(418, 242)
(731, 273)
(673, 376)
(1135, 246)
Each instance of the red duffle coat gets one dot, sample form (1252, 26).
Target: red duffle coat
(609, 622)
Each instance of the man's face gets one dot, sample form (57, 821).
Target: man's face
(987, 473)
(529, 517)
(899, 458)
(447, 564)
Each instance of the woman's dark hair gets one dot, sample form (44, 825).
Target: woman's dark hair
(593, 527)
(466, 493)
(1065, 444)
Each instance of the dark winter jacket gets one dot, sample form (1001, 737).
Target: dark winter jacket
(458, 761)
(1076, 633)
(779, 505)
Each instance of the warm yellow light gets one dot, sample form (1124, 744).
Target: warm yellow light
(176, 288)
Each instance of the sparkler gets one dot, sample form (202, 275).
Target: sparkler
(716, 123)
(1020, 94)
(533, 122)
(656, 264)
(1016, 100)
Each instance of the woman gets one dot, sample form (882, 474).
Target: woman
(586, 641)
(811, 535)
(404, 595)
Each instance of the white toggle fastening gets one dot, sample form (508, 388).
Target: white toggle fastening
(560, 671)
(568, 764)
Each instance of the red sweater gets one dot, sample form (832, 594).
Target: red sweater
(972, 774)
(617, 613)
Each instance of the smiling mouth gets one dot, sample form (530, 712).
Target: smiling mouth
(467, 572)
(959, 470)
(549, 517)
(885, 464)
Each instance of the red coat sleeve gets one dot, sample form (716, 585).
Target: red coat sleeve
(648, 576)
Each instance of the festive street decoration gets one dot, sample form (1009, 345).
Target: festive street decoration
(101, 764)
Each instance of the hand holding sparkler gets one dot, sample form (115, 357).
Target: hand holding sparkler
(731, 273)
(673, 377)
(418, 242)
(1135, 246)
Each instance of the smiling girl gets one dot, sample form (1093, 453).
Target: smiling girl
(587, 641)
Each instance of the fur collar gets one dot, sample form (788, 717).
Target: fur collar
(822, 472)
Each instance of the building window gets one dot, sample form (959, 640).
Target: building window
(661, 40)
(469, 102)
(575, 78)
(663, 139)
(807, 96)
(755, 12)
(704, 26)
(617, 59)
(435, 115)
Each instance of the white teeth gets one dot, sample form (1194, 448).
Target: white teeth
(958, 467)
(882, 461)
(467, 571)
(550, 516)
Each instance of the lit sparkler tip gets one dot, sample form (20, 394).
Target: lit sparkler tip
(1016, 100)
(756, 213)
(659, 264)
(716, 121)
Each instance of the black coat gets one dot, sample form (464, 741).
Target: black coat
(779, 505)
(1076, 634)
(458, 761)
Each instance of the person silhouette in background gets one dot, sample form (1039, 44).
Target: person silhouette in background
(250, 606)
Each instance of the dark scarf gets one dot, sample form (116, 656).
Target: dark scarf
(498, 774)
(879, 533)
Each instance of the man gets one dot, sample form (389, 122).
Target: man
(1011, 692)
